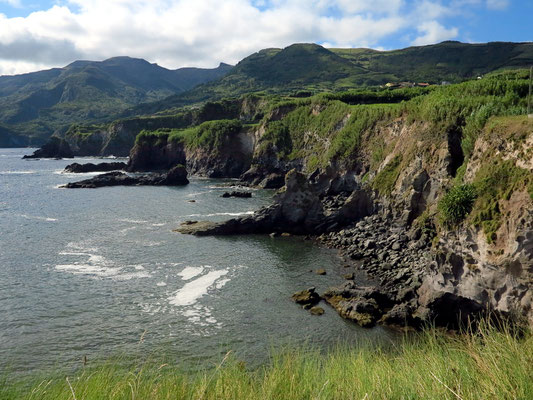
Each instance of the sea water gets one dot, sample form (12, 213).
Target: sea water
(94, 273)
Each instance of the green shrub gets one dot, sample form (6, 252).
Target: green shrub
(385, 180)
(457, 203)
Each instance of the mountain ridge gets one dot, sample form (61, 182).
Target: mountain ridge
(38, 104)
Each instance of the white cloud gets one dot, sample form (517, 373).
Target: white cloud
(176, 33)
(14, 3)
(433, 32)
(497, 4)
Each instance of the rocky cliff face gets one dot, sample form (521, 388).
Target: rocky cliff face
(156, 156)
(229, 160)
(383, 214)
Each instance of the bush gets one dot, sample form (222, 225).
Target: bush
(457, 204)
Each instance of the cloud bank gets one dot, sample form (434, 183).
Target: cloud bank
(176, 33)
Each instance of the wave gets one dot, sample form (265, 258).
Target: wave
(133, 221)
(98, 266)
(77, 174)
(18, 172)
(190, 272)
(218, 214)
(37, 218)
(194, 290)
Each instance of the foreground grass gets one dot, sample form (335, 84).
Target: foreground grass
(486, 364)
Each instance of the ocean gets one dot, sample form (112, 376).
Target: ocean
(99, 273)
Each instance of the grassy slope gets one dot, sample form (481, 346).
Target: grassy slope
(335, 127)
(486, 364)
(311, 67)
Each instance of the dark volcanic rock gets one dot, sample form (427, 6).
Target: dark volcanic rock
(316, 310)
(55, 148)
(306, 297)
(296, 209)
(175, 177)
(237, 194)
(273, 181)
(90, 167)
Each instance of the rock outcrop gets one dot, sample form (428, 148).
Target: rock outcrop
(90, 167)
(54, 148)
(177, 176)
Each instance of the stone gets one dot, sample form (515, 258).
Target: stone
(237, 194)
(273, 181)
(177, 176)
(307, 296)
(316, 310)
(90, 167)
(369, 244)
(320, 271)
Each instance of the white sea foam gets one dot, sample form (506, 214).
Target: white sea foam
(17, 172)
(161, 284)
(194, 290)
(150, 244)
(199, 193)
(199, 315)
(133, 221)
(95, 265)
(160, 224)
(190, 272)
(77, 174)
(37, 218)
(87, 269)
(218, 214)
(221, 283)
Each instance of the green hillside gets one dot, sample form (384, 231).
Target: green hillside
(312, 68)
(39, 103)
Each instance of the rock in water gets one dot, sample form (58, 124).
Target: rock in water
(90, 167)
(54, 148)
(306, 297)
(316, 310)
(177, 176)
(297, 209)
(237, 194)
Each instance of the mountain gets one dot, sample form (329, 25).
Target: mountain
(36, 104)
(310, 67)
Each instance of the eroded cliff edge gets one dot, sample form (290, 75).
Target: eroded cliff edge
(438, 209)
(431, 195)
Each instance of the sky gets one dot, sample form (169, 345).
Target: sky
(41, 34)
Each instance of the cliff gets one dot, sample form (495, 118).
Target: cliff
(447, 179)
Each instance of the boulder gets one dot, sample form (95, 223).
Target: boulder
(316, 310)
(237, 194)
(175, 177)
(90, 167)
(307, 296)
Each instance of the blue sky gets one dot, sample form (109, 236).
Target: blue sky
(38, 34)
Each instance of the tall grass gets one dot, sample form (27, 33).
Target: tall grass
(485, 364)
